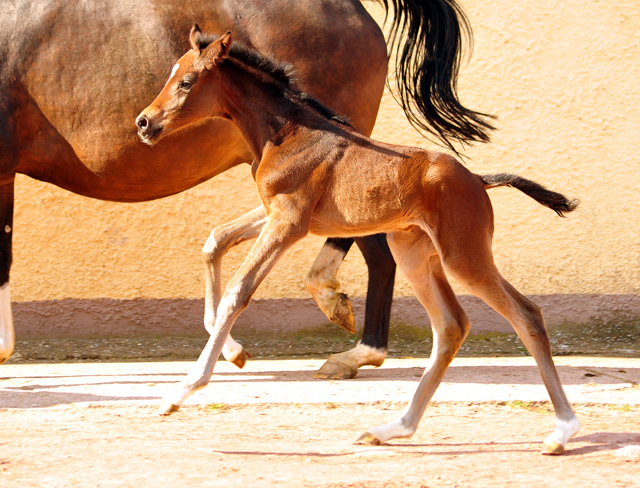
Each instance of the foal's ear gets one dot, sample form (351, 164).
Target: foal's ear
(225, 44)
(196, 32)
(216, 51)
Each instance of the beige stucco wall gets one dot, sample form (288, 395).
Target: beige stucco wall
(563, 79)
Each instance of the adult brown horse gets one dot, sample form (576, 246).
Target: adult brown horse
(74, 73)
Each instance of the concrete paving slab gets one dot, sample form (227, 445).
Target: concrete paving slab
(586, 380)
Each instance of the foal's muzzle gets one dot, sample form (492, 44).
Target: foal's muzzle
(147, 130)
(143, 123)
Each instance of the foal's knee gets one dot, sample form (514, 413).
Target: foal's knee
(214, 247)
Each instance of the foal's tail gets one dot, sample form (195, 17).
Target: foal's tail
(555, 201)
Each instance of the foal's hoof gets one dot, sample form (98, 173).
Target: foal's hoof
(342, 314)
(369, 440)
(333, 369)
(241, 359)
(565, 430)
(552, 449)
(167, 408)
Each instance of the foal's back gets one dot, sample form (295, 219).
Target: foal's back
(359, 186)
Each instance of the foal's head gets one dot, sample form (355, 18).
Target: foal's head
(186, 99)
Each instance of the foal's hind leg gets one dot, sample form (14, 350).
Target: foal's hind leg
(418, 261)
(526, 318)
(463, 236)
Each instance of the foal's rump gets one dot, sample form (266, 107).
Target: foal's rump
(456, 210)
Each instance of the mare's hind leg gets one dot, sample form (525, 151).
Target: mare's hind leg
(372, 349)
(419, 262)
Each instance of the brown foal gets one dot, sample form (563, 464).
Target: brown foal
(315, 174)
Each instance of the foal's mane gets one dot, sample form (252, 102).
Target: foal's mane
(278, 74)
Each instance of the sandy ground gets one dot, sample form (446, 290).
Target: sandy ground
(95, 424)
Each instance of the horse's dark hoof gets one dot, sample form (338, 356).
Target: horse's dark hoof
(336, 370)
(241, 359)
(342, 314)
(167, 408)
(369, 440)
(552, 449)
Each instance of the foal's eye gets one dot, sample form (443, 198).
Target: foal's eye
(184, 85)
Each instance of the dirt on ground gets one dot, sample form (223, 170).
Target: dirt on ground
(457, 445)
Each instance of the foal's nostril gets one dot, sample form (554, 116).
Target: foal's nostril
(143, 123)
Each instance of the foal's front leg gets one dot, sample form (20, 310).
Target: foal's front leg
(274, 239)
(220, 240)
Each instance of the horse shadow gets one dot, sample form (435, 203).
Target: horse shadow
(44, 394)
(27, 400)
(603, 441)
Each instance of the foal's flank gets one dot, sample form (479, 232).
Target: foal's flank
(316, 174)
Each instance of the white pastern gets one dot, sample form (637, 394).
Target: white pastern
(231, 349)
(173, 71)
(177, 395)
(363, 355)
(196, 379)
(565, 430)
(393, 430)
(7, 338)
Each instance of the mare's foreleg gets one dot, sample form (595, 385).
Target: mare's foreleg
(321, 282)
(419, 262)
(220, 240)
(7, 338)
(372, 349)
(274, 239)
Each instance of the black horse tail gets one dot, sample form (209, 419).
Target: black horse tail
(555, 201)
(426, 36)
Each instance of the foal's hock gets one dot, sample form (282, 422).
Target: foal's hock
(316, 174)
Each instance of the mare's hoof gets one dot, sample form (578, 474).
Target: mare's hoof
(552, 449)
(241, 359)
(369, 440)
(333, 369)
(167, 408)
(342, 314)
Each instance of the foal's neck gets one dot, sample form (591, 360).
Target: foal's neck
(265, 112)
